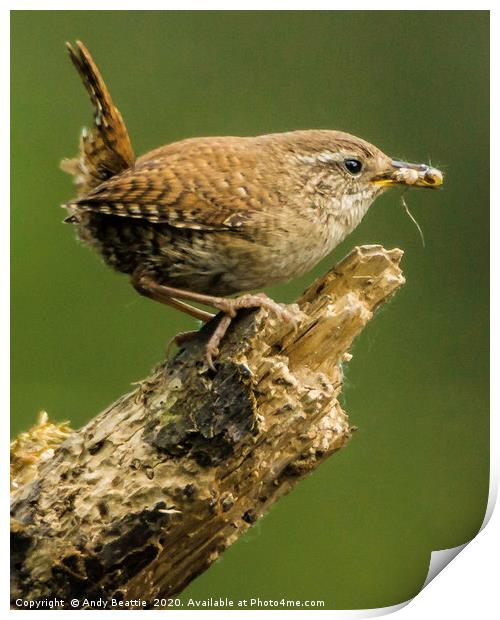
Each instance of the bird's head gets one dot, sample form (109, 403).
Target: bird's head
(351, 172)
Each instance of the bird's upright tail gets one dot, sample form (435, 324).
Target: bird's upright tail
(106, 150)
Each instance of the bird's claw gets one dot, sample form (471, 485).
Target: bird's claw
(229, 308)
(210, 353)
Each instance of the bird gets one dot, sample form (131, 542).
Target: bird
(203, 219)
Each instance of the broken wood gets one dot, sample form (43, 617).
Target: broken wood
(150, 492)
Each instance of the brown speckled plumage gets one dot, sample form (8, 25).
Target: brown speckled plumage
(212, 215)
(209, 217)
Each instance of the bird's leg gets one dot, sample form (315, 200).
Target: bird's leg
(147, 287)
(212, 349)
(229, 306)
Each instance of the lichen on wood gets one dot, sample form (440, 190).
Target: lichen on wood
(150, 492)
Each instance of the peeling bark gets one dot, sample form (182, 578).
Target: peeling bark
(150, 492)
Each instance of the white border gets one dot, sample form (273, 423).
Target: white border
(469, 585)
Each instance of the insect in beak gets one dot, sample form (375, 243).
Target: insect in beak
(416, 175)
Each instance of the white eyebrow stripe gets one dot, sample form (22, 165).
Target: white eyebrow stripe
(325, 157)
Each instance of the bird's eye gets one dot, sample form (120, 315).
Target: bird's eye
(353, 166)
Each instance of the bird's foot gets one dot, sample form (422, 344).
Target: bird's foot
(230, 308)
(212, 348)
(259, 300)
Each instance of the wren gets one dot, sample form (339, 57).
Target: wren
(205, 218)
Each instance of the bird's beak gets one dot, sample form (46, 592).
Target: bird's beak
(403, 173)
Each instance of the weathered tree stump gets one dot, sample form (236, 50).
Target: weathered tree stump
(150, 492)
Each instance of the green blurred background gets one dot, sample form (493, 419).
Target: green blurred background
(358, 532)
